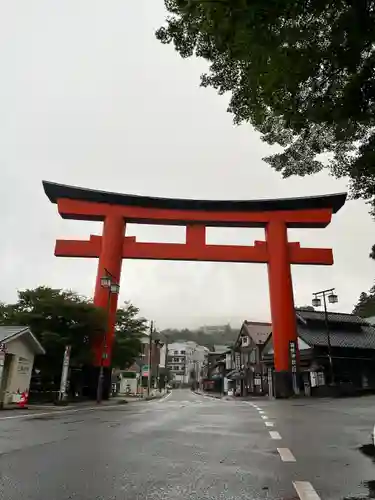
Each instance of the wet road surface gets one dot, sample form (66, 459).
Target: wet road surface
(191, 447)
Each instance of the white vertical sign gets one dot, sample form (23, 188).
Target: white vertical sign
(65, 371)
(2, 361)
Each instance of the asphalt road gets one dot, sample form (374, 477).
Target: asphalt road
(192, 447)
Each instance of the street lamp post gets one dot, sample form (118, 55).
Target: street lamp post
(316, 302)
(107, 281)
(150, 359)
(158, 344)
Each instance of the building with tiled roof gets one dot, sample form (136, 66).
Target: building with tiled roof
(342, 354)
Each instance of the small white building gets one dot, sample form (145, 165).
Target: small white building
(185, 360)
(18, 348)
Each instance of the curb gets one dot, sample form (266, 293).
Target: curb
(57, 409)
(208, 395)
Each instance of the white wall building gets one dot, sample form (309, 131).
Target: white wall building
(18, 349)
(185, 360)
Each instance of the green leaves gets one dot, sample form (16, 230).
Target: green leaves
(128, 332)
(365, 306)
(302, 73)
(62, 317)
(58, 318)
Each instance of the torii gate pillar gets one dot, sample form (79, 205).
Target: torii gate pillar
(284, 327)
(276, 216)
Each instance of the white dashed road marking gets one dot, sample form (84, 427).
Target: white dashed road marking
(165, 397)
(269, 424)
(264, 417)
(305, 490)
(286, 455)
(275, 435)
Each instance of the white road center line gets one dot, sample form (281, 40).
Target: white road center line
(286, 455)
(165, 397)
(269, 424)
(305, 490)
(275, 435)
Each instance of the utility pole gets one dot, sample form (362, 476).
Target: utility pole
(150, 359)
(166, 378)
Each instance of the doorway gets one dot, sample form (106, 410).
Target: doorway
(5, 379)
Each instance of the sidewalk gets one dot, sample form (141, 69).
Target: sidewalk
(215, 395)
(218, 395)
(50, 407)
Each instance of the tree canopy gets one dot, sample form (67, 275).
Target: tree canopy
(57, 318)
(365, 306)
(302, 73)
(62, 317)
(226, 336)
(129, 329)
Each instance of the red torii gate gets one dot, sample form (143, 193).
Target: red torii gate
(275, 215)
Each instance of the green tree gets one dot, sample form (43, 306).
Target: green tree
(62, 317)
(129, 329)
(57, 318)
(365, 306)
(302, 73)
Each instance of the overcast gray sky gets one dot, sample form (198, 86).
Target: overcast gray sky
(89, 97)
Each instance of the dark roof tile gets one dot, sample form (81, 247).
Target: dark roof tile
(363, 339)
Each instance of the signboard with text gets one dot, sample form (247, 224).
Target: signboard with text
(293, 355)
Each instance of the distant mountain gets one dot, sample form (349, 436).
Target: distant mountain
(206, 336)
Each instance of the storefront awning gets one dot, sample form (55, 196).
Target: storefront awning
(234, 375)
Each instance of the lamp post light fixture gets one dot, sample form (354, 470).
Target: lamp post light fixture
(317, 302)
(106, 281)
(115, 288)
(333, 298)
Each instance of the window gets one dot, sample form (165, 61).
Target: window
(183, 352)
(175, 352)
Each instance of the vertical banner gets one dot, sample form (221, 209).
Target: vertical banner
(64, 373)
(2, 361)
(225, 385)
(270, 383)
(293, 362)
